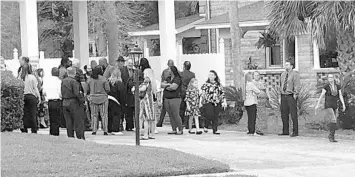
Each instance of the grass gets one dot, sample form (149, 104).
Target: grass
(275, 127)
(32, 155)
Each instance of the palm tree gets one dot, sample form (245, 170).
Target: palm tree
(236, 43)
(321, 19)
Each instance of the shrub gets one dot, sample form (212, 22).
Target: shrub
(234, 111)
(11, 102)
(304, 101)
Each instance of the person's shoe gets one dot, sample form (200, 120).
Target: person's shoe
(190, 132)
(159, 125)
(94, 133)
(179, 133)
(205, 130)
(105, 133)
(172, 132)
(255, 134)
(332, 140)
(143, 138)
(216, 133)
(151, 137)
(283, 134)
(117, 133)
(199, 132)
(294, 135)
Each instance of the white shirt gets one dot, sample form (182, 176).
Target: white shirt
(52, 88)
(251, 92)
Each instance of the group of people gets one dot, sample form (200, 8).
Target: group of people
(256, 100)
(106, 92)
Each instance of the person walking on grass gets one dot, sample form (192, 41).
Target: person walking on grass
(193, 105)
(290, 89)
(250, 102)
(98, 89)
(332, 93)
(214, 100)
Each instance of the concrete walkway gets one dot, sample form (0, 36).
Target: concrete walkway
(256, 155)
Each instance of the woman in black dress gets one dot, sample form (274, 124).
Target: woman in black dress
(116, 101)
(332, 92)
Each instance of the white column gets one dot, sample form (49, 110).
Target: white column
(222, 63)
(167, 31)
(145, 48)
(296, 53)
(179, 51)
(316, 63)
(29, 30)
(15, 54)
(80, 22)
(217, 39)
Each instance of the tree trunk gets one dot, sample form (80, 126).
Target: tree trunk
(238, 76)
(111, 31)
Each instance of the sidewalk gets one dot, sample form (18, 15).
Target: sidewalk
(255, 155)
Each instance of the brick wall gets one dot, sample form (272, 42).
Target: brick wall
(219, 7)
(305, 61)
(248, 49)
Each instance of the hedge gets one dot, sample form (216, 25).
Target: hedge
(11, 102)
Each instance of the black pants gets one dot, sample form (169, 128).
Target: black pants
(73, 113)
(289, 105)
(30, 113)
(55, 116)
(114, 117)
(129, 115)
(182, 113)
(212, 114)
(162, 114)
(251, 111)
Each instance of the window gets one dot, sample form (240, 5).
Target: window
(275, 55)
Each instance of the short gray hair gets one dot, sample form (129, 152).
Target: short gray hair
(71, 71)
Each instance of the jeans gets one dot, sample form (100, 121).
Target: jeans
(251, 110)
(173, 108)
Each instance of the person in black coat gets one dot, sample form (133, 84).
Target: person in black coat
(116, 101)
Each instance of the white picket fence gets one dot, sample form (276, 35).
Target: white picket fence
(201, 64)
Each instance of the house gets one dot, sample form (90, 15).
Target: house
(208, 33)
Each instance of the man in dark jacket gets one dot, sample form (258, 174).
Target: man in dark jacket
(73, 102)
(186, 77)
(165, 74)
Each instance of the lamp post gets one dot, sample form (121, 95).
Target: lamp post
(136, 53)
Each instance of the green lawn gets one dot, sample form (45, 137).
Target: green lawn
(275, 127)
(33, 155)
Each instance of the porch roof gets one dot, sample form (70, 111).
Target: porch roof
(251, 15)
(181, 25)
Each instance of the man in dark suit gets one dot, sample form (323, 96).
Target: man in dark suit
(186, 77)
(128, 109)
(73, 102)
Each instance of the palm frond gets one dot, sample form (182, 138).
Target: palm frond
(233, 94)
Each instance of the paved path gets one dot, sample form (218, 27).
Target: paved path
(256, 155)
